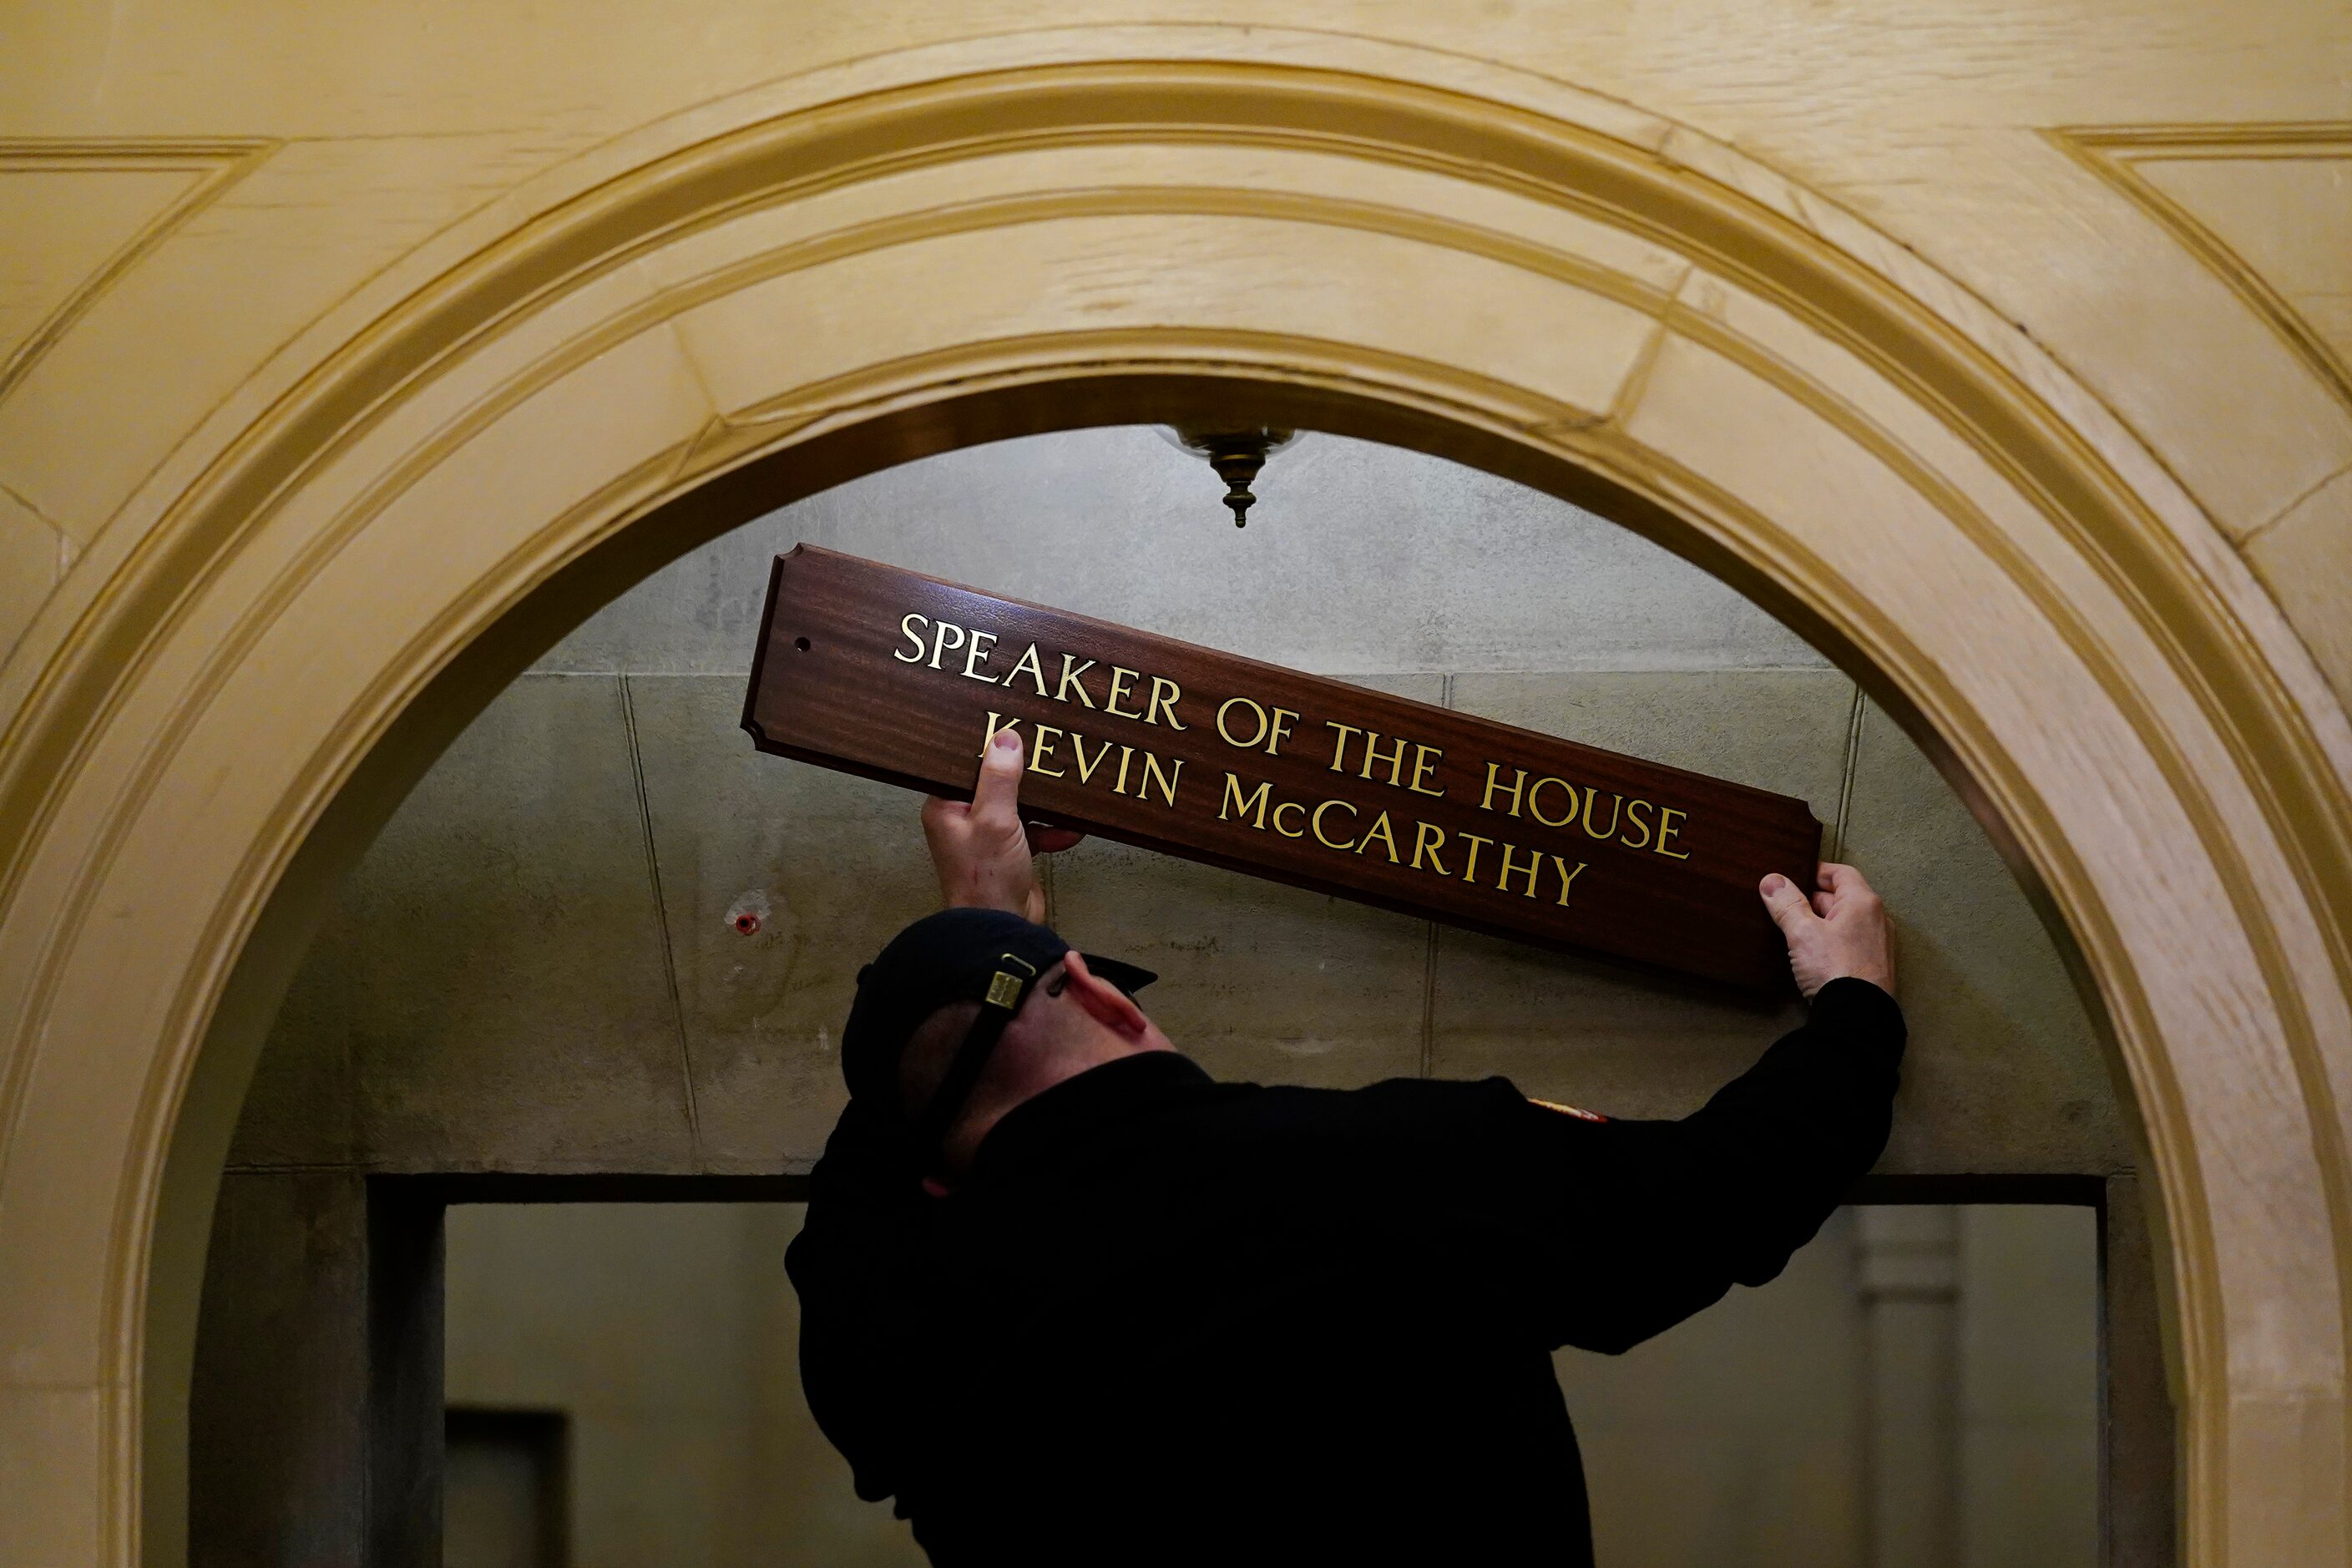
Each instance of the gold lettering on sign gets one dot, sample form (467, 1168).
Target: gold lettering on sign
(1316, 821)
(914, 636)
(1283, 719)
(1121, 679)
(981, 642)
(1235, 802)
(1165, 695)
(1250, 724)
(1086, 769)
(1425, 758)
(1160, 776)
(1518, 782)
(1048, 735)
(940, 643)
(1028, 662)
(1535, 810)
(1151, 770)
(1521, 869)
(1666, 831)
(1470, 870)
(1271, 730)
(1395, 759)
(1428, 836)
(1392, 758)
(1517, 796)
(1226, 735)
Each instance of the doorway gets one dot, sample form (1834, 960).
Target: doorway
(602, 942)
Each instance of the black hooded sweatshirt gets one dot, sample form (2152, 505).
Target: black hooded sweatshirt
(1172, 1321)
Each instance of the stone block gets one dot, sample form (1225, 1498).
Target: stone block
(1598, 1034)
(2304, 559)
(497, 963)
(1335, 571)
(279, 1391)
(780, 881)
(48, 1438)
(303, 1105)
(2004, 1070)
(1258, 981)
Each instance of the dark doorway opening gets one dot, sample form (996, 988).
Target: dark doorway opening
(314, 1300)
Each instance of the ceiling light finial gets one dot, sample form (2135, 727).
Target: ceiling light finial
(1237, 454)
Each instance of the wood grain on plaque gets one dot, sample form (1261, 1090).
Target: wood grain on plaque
(901, 678)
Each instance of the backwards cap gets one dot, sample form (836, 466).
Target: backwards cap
(956, 955)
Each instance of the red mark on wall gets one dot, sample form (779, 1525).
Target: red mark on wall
(749, 913)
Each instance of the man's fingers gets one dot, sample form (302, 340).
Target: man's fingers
(996, 798)
(1842, 880)
(1047, 840)
(1785, 902)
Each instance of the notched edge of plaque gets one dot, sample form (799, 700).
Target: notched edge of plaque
(750, 724)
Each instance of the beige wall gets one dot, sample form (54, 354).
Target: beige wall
(1970, 337)
(2027, 1403)
(668, 1336)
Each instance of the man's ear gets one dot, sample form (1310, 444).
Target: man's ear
(1106, 1003)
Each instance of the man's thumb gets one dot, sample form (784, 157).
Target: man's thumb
(996, 797)
(1787, 904)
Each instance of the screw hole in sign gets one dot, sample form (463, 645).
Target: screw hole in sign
(801, 642)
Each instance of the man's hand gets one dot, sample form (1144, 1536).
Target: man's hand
(982, 851)
(1842, 931)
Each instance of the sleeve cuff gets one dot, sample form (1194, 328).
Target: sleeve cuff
(1858, 1010)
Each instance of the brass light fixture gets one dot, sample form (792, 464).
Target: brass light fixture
(1237, 454)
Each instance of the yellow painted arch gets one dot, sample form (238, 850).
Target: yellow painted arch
(771, 293)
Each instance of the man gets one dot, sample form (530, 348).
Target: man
(1069, 1300)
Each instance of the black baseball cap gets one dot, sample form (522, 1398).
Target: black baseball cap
(954, 955)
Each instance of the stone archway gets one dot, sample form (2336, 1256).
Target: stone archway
(773, 292)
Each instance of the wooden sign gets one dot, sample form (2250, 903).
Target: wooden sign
(1156, 742)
